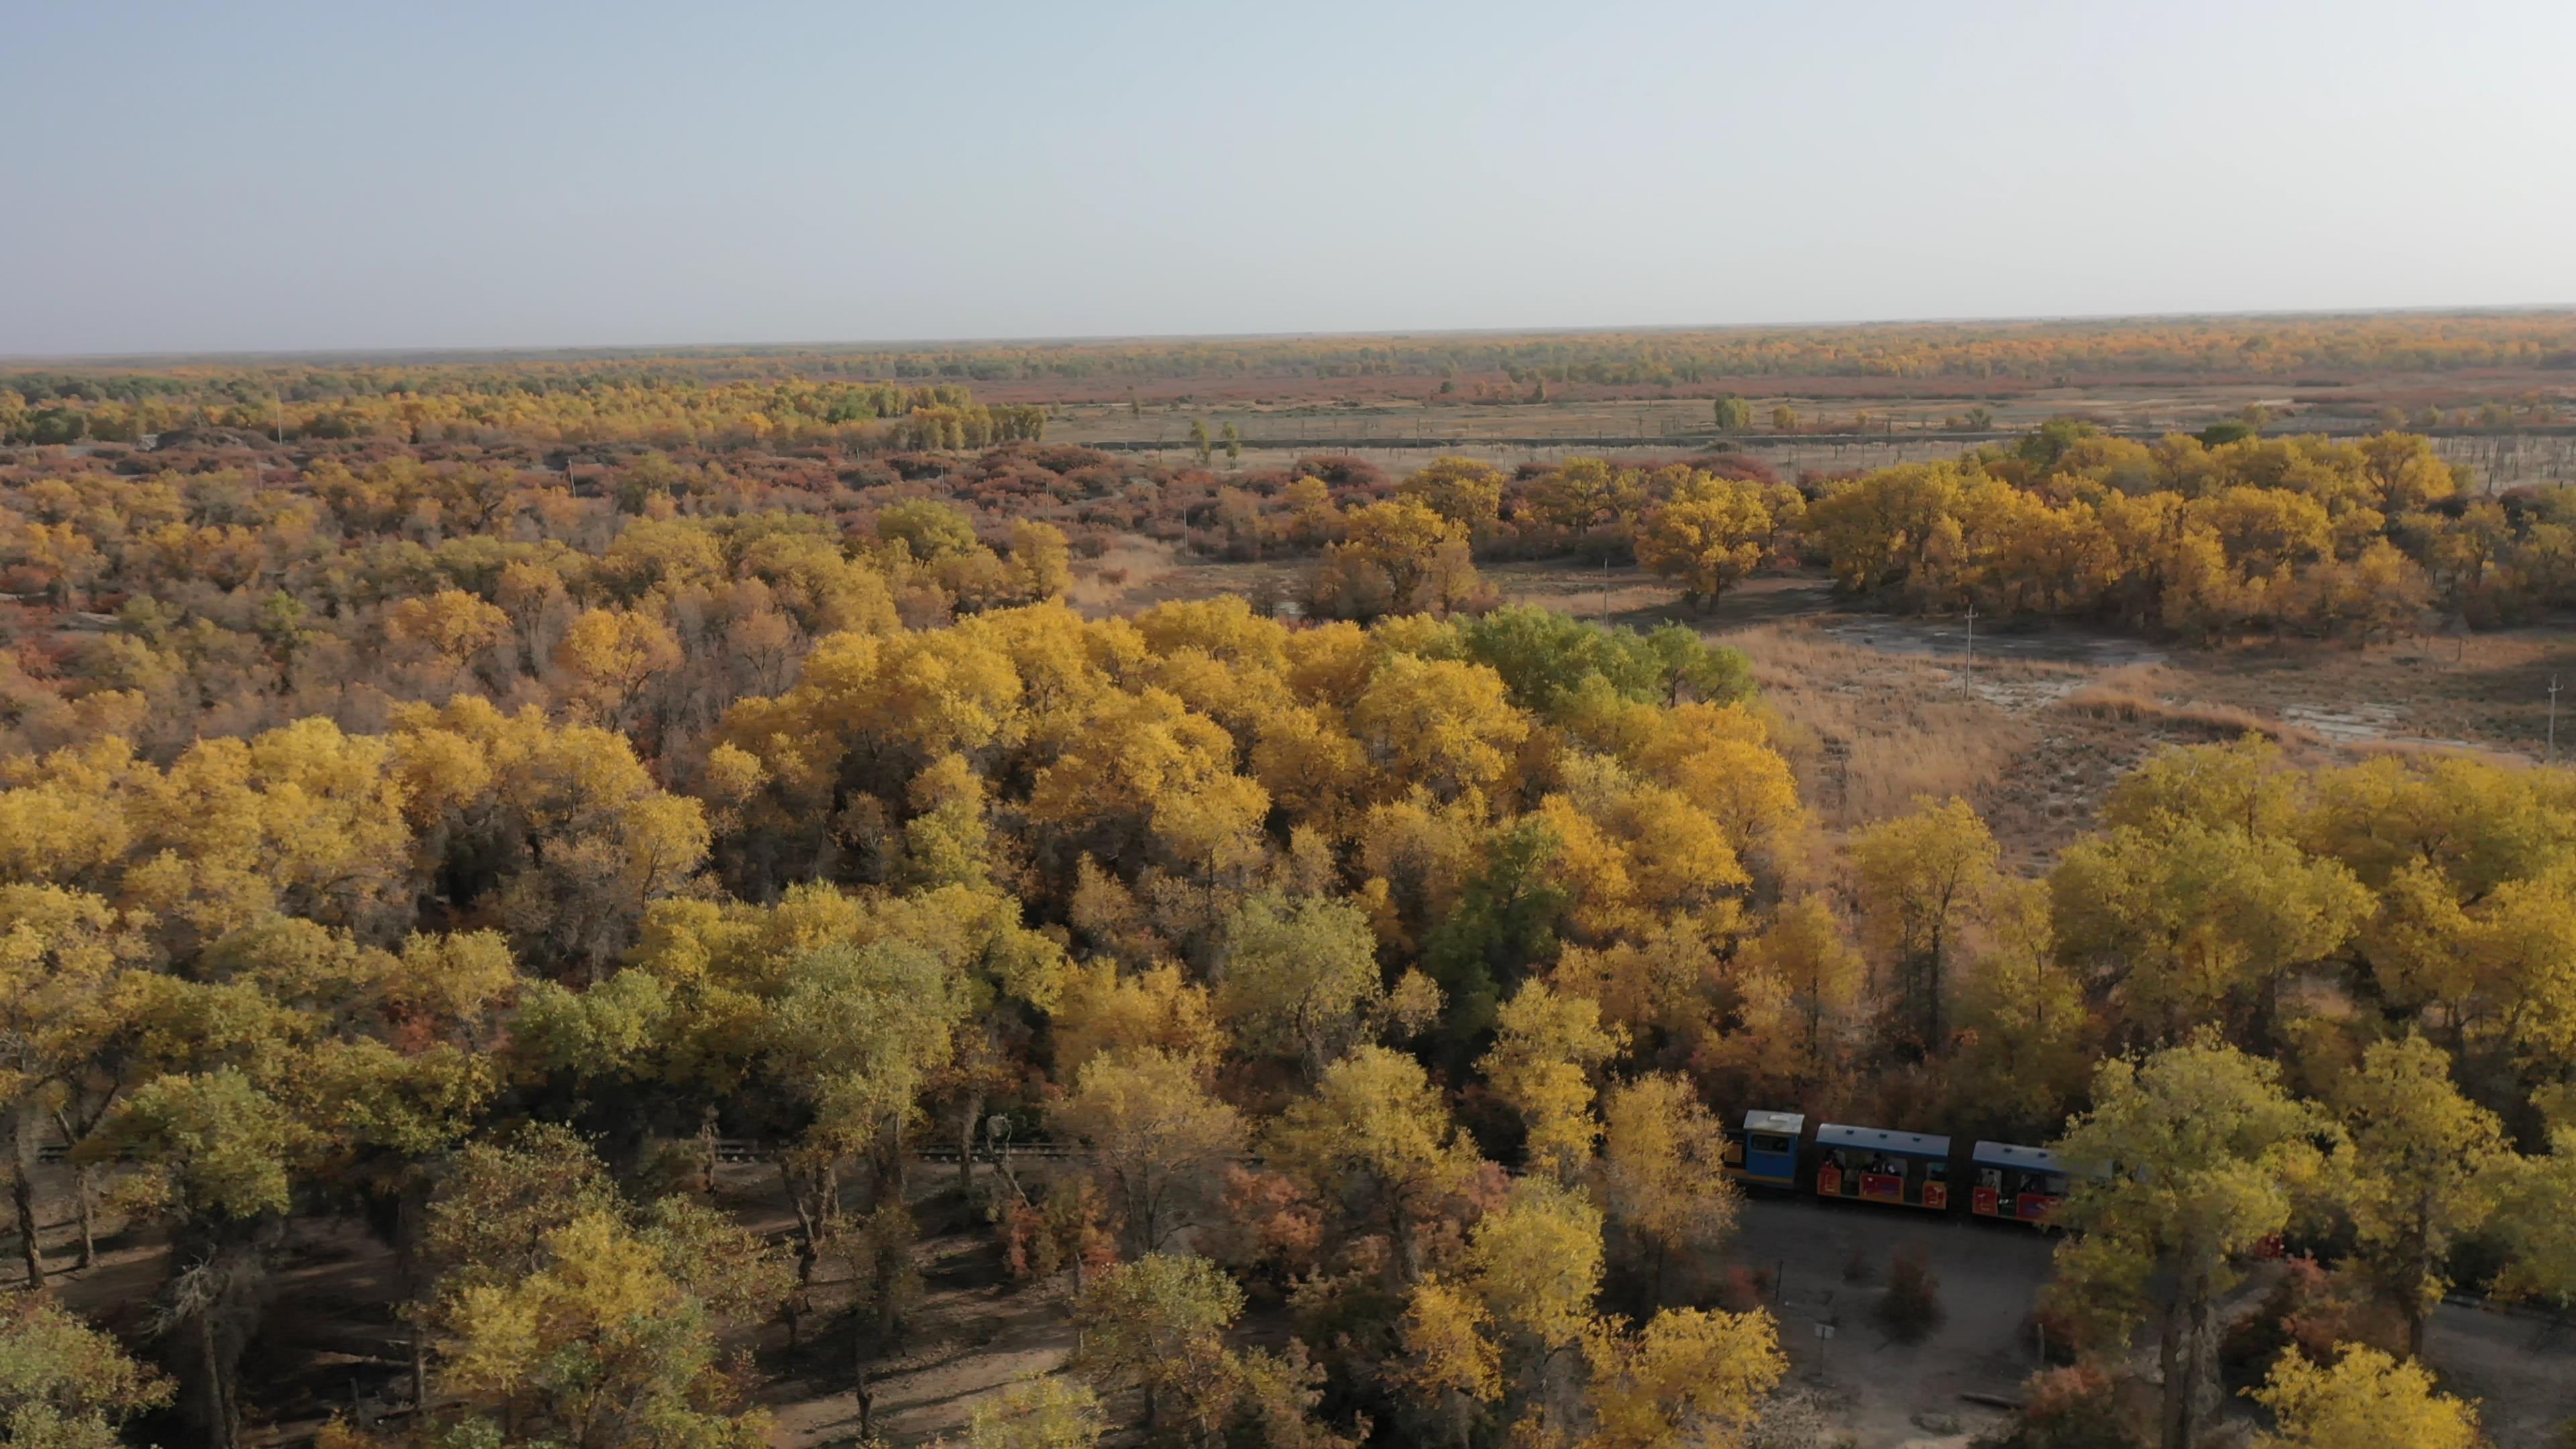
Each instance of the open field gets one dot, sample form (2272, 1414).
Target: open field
(1633, 433)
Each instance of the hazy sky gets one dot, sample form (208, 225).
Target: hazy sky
(243, 175)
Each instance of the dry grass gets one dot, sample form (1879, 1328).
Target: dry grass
(2136, 694)
(1868, 732)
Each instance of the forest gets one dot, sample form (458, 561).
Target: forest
(448, 806)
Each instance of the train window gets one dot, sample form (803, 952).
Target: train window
(1990, 1178)
(1768, 1142)
(2054, 1184)
(1936, 1171)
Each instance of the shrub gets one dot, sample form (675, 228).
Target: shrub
(2069, 1408)
(1745, 1290)
(2311, 1310)
(1910, 1309)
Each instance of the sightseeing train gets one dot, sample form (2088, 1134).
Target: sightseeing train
(2006, 1181)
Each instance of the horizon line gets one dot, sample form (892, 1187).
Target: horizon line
(1079, 340)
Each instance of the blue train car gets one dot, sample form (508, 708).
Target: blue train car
(1765, 1149)
(1872, 1164)
(2015, 1183)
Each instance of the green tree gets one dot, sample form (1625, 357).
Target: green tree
(1505, 921)
(610, 1342)
(2193, 922)
(2189, 1159)
(2533, 1223)
(1158, 1324)
(64, 1384)
(1300, 977)
(218, 1156)
(1732, 414)
(2423, 1171)
(1044, 1413)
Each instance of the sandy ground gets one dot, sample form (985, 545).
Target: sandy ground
(1882, 1392)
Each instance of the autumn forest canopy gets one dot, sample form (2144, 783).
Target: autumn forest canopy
(452, 804)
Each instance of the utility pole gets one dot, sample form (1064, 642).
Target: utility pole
(1970, 666)
(2553, 720)
(1605, 590)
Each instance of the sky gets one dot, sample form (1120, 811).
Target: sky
(250, 176)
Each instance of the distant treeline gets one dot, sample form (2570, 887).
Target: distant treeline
(2291, 347)
(489, 404)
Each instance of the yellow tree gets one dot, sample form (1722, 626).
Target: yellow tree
(1807, 952)
(1161, 1138)
(1689, 1378)
(2532, 1221)
(64, 956)
(1461, 490)
(610, 1342)
(2363, 1400)
(1043, 1413)
(1662, 1174)
(2192, 922)
(1921, 875)
(1713, 533)
(1376, 1141)
(1535, 1264)
(453, 624)
(1546, 1051)
(1400, 547)
(1449, 1352)
(608, 655)
(2026, 1032)
(1442, 724)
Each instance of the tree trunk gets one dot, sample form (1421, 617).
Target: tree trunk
(84, 1203)
(2182, 1352)
(2174, 1416)
(219, 1408)
(85, 1209)
(967, 1116)
(22, 1191)
(1408, 1253)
